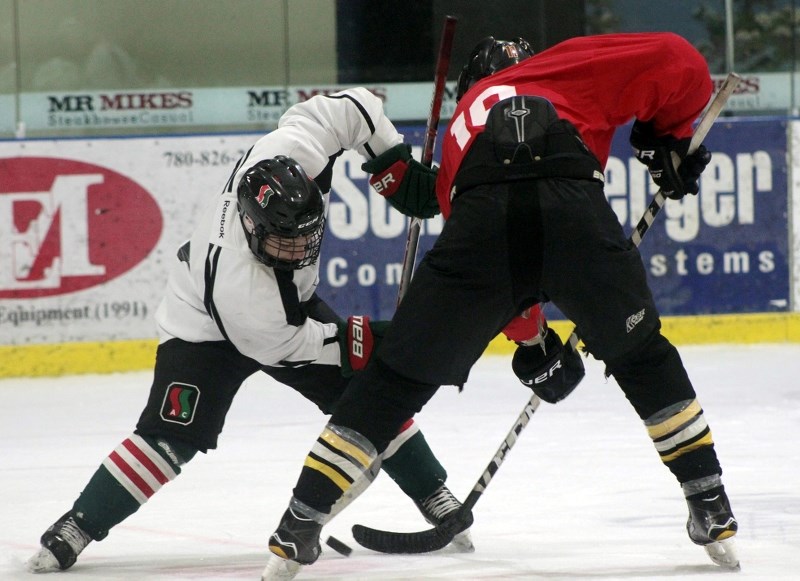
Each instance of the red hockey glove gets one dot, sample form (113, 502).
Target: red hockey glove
(407, 185)
(656, 154)
(358, 338)
(549, 368)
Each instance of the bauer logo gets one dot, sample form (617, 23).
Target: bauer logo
(180, 403)
(67, 225)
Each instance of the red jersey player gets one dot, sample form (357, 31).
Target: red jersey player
(521, 187)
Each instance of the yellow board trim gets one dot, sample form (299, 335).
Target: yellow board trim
(74, 358)
(332, 474)
(701, 330)
(139, 354)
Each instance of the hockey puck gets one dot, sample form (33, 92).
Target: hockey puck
(338, 546)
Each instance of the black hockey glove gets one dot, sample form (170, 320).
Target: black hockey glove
(656, 154)
(407, 185)
(358, 338)
(551, 373)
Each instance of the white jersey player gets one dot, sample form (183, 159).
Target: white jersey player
(241, 299)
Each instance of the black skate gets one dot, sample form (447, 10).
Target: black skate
(442, 505)
(61, 545)
(712, 524)
(297, 538)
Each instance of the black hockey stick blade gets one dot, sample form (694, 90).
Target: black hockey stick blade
(401, 543)
(440, 536)
(412, 543)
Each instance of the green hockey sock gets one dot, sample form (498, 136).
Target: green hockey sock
(413, 466)
(127, 478)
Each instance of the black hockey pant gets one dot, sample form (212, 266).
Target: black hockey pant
(504, 248)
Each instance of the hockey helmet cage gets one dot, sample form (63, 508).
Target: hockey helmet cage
(490, 56)
(283, 213)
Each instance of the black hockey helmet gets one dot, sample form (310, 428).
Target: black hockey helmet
(490, 56)
(282, 211)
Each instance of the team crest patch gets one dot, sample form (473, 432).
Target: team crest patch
(180, 403)
(263, 195)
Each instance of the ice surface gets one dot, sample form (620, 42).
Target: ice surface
(582, 495)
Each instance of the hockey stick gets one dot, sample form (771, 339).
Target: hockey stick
(440, 536)
(440, 79)
(711, 114)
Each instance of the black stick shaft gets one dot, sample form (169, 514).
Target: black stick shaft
(440, 80)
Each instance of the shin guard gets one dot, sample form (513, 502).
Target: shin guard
(683, 440)
(342, 463)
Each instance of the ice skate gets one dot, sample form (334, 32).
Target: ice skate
(297, 538)
(712, 524)
(61, 545)
(280, 569)
(443, 504)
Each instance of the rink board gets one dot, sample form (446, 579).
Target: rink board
(89, 228)
(131, 355)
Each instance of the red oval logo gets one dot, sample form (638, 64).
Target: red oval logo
(67, 225)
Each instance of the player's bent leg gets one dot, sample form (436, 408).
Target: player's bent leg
(132, 473)
(366, 419)
(655, 382)
(340, 459)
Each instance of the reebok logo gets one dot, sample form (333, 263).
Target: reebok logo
(633, 320)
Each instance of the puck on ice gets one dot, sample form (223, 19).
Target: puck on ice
(338, 546)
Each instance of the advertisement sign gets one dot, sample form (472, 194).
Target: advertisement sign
(151, 110)
(725, 250)
(89, 228)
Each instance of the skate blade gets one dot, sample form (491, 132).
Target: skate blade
(278, 569)
(723, 553)
(43, 562)
(462, 542)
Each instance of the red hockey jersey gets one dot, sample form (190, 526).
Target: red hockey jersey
(596, 82)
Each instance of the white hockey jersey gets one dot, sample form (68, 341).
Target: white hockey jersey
(220, 291)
